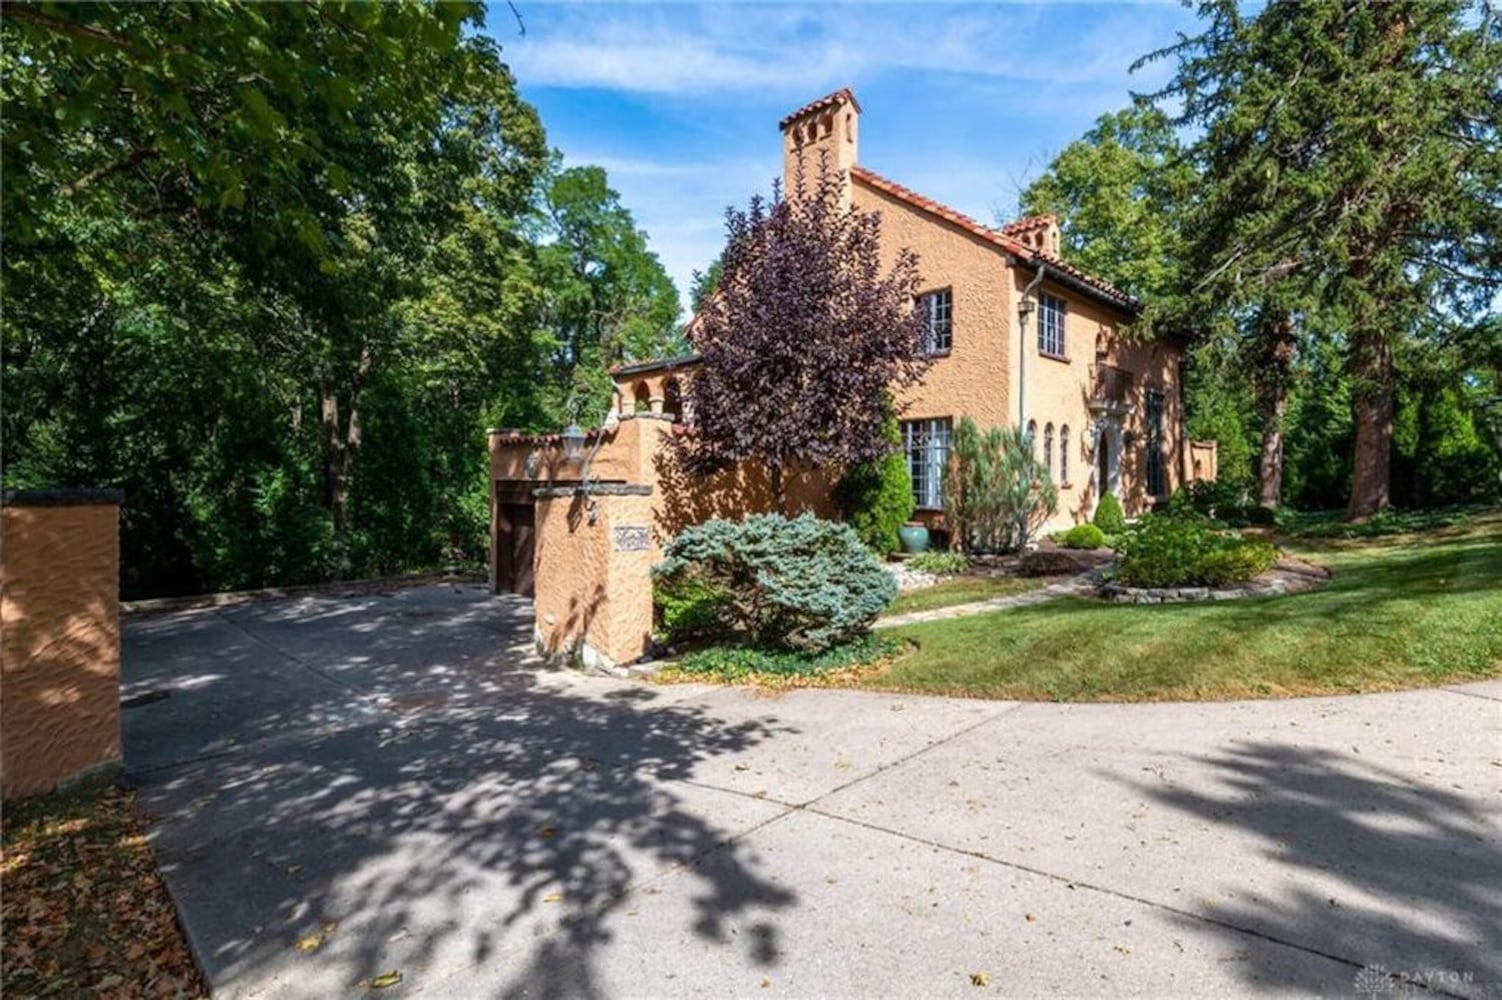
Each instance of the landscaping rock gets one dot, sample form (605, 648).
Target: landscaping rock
(910, 579)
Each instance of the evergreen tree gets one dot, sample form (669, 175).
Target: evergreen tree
(1351, 168)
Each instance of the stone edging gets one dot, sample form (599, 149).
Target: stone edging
(1118, 594)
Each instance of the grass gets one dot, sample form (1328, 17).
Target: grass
(1402, 611)
(84, 910)
(962, 590)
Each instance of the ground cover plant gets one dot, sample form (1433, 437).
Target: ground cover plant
(940, 563)
(84, 910)
(746, 663)
(1400, 611)
(1083, 536)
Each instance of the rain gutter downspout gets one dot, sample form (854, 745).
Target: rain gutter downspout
(1022, 351)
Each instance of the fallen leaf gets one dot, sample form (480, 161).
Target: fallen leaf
(546, 832)
(979, 979)
(382, 981)
(310, 943)
(765, 982)
(553, 897)
(1031, 917)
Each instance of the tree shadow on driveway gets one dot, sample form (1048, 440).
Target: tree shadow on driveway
(479, 846)
(1344, 845)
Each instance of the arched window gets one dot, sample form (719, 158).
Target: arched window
(1064, 454)
(672, 400)
(1048, 449)
(643, 394)
(1032, 437)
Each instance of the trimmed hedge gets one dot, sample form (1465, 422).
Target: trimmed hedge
(877, 497)
(773, 583)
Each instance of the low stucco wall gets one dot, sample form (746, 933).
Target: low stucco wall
(59, 638)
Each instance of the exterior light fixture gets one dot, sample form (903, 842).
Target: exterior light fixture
(1025, 308)
(573, 443)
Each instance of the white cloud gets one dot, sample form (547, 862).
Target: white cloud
(791, 49)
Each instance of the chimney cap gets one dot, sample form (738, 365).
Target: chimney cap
(842, 96)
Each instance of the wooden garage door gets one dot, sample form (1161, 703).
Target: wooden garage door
(515, 527)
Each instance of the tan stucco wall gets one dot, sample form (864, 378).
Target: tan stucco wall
(59, 643)
(1058, 393)
(972, 380)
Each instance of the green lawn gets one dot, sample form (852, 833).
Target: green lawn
(961, 590)
(1402, 611)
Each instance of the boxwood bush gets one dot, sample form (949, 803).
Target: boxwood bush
(1084, 536)
(1109, 517)
(1173, 551)
(772, 582)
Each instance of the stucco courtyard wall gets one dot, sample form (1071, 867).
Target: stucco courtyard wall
(59, 638)
(595, 543)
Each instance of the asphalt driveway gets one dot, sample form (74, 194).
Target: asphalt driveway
(343, 788)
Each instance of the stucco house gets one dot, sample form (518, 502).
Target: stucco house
(1019, 336)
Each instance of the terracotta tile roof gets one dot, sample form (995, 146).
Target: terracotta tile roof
(1028, 224)
(1001, 237)
(841, 96)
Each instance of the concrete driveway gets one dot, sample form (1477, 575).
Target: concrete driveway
(346, 787)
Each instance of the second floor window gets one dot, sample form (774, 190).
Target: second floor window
(936, 312)
(926, 444)
(1051, 327)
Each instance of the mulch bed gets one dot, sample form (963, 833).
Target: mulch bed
(84, 911)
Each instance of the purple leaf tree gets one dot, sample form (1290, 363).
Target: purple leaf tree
(804, 339)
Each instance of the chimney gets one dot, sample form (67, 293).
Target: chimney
(825, 131)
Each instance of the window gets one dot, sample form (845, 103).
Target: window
(1157, 479)
(1051, 327)
(926, 444)
(1032, 437)
(1064, 455)
(1048, 450)
(936, 310)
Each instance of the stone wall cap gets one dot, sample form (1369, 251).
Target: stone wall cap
(594, 490)
(63, 497)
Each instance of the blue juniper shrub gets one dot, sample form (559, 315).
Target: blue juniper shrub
(799, 584)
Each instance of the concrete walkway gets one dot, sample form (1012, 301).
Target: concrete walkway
(345, 788)
(1084, 583)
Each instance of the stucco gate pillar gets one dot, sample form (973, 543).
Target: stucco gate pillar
(59, 639)
(593, 577)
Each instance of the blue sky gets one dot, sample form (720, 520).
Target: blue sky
(680, 102)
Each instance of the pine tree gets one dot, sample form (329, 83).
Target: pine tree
(1352, 170)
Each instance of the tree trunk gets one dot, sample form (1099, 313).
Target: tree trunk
(1372, 409)
(1273, 376)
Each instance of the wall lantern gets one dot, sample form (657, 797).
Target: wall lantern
(1025, 308)
(573, 443)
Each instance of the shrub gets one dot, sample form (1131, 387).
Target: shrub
(877, 497)
(1084, 536)
(996, 492)
(689, 608)
(939, 563)
(800, 583)
(1173, 551)
(1047, 562)
(1109, 517)
(730, 663)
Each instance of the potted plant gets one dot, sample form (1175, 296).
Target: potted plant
(914, 537)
